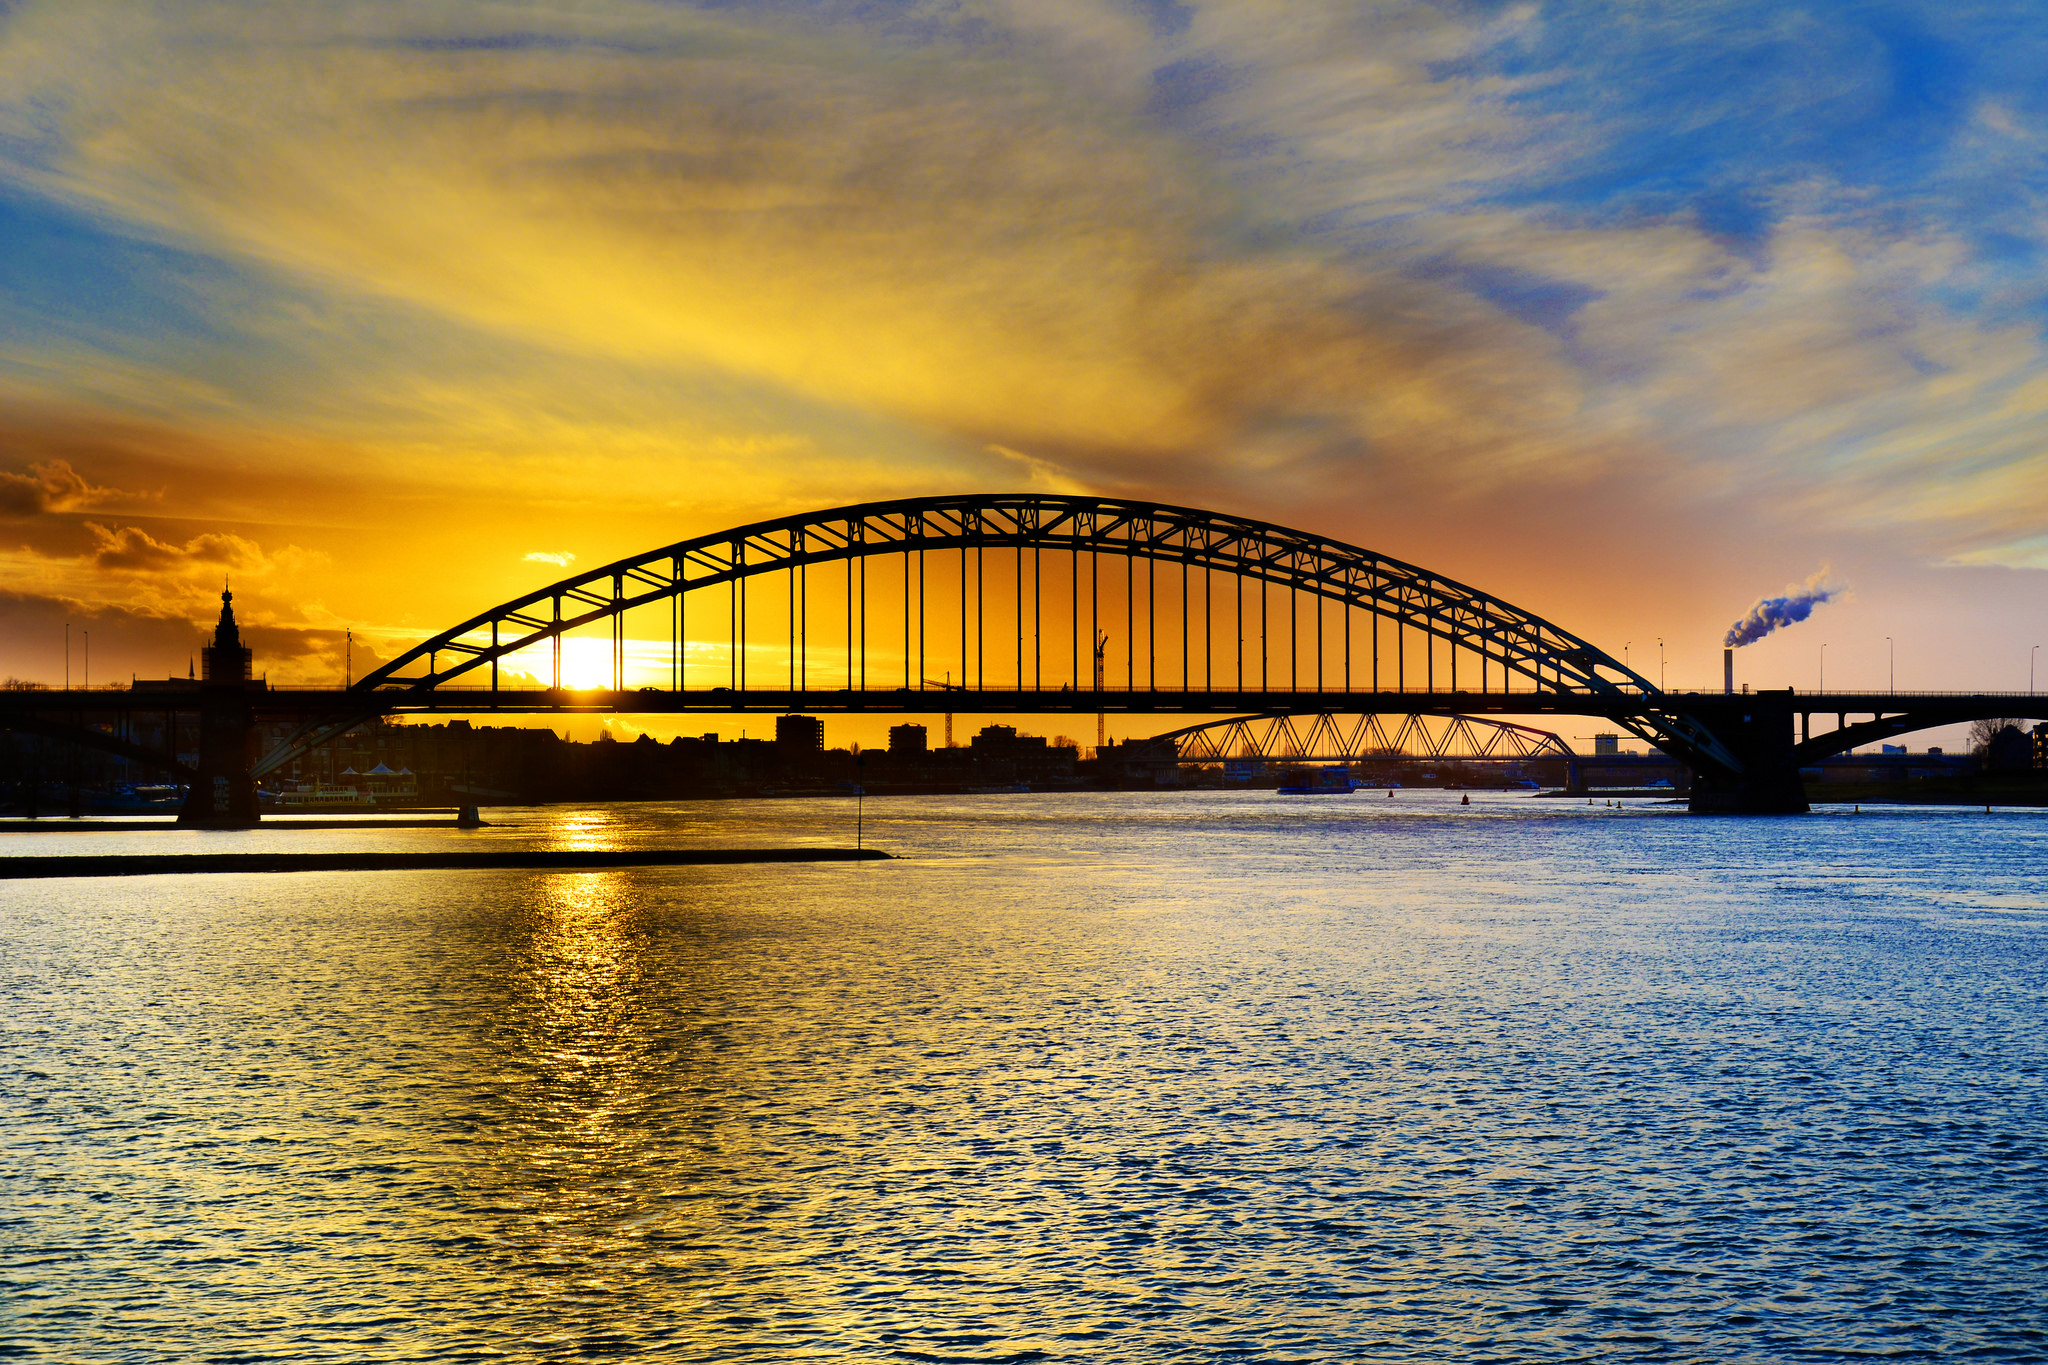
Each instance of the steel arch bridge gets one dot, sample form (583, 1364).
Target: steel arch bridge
(1014, 603)
(1328, 736)
(1347, 620)
(1499, 645)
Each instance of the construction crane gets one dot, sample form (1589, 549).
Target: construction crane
(948, 686)
(1101, 644)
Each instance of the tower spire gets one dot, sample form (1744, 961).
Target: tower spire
(227, 659)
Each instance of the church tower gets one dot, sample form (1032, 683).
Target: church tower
(223, 794)
(227, 662)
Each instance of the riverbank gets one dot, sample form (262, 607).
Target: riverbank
(514, 859)
(1978, 789)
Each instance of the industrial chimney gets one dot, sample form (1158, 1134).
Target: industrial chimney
(1727, 670)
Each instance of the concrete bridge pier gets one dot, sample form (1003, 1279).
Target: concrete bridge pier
(224, 794)
(1758, 731)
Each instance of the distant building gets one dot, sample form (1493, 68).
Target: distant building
(799, 736)
(2011, 750)
(1140, 762)
(907, 741)
(2041, 746)
(1000, 754)
(227, 661)
(1606, 745)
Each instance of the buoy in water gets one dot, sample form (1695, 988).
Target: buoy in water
(1464, 800)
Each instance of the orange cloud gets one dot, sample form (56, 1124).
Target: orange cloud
(133, 549)
(50, 486)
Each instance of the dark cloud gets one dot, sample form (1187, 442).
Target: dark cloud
(49, 486)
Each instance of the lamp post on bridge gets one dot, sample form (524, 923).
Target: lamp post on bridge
(1894, 663)
(1660, 663)
(2030, 668)
(1823, 667)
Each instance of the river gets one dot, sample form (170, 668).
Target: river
(1115, 1077)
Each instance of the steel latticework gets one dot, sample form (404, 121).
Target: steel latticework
(998, 604)
(1010, 596)
(1327, 737)
(1435, 626)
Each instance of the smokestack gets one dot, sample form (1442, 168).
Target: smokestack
(1727, 670)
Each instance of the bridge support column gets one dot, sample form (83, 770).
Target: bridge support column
(223, 796)
(1760, 734)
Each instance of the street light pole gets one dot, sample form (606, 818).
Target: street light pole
(1660, 663)
(1894, 662)
(1823, 667)
(2030, 668)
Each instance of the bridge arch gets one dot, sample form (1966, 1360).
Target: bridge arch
(1502, 646)
(1328, 736)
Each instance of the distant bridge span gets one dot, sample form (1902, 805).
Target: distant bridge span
(1038, 603)
(1328, 736)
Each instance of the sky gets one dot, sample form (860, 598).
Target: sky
(1630, 313)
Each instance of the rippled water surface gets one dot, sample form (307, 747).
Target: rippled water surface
(1115, 1077)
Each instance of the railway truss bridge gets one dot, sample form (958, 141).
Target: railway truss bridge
(1012, 605)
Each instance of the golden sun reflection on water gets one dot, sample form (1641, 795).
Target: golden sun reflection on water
(588, 1090)
(1133, 1077)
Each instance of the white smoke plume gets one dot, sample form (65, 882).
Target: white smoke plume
(1769, 613)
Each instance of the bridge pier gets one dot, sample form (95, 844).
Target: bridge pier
(223, 796)
(1760, 735)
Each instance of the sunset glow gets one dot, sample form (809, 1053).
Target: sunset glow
(388, 313)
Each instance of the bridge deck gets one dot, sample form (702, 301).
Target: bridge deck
(307, 702)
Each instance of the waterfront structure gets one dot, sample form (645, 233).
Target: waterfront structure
(1206, 614)
(221, 793)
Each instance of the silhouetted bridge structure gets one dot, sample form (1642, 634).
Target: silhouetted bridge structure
(1015, 604)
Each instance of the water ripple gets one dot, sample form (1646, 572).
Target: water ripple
(1115, 1077)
